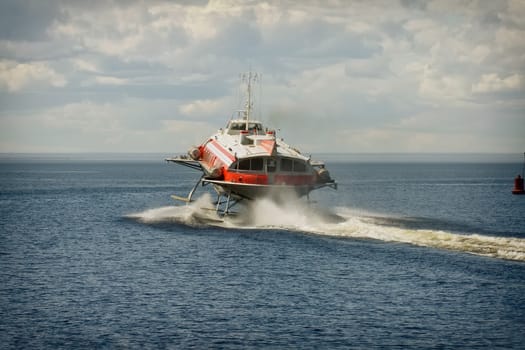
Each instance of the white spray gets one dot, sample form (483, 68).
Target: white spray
(297, 215)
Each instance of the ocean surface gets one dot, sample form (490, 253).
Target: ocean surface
(411, 252)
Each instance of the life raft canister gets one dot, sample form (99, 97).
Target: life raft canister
(518, 185)
(194, 153)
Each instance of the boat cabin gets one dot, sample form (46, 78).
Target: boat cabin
(271, 170)
(270, 165)
(235, 127)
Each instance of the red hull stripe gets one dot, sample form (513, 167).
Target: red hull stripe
(221, 153)
(247, 178)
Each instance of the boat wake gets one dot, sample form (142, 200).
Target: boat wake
(339, 222)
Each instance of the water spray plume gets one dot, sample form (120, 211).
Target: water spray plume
(299, 216)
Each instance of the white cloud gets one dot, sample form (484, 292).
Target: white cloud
(107, 80)
(437, 85)
(113, 30)
(476, 56)
(185, 133)
(493, 83)
(121, 126)
(386, 75)
(84, 118)
(267, 15)
(17, 76)
(85, 65)
(203, 108)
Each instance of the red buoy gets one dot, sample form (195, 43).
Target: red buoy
(518, 185)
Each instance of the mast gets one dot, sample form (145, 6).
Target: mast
(248, 78)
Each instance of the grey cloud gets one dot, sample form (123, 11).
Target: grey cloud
(26, 19)
(236, 38)
(319, 70)
(414, 4)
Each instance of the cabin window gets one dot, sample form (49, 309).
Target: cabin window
(244, 164)
(257, 164)
(271, 165)
(299, 166)
(237, 126)
(253, 164)
(255, 126)
(286, 164)
(242, 126)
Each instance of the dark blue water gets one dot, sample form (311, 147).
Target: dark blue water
(94, 255)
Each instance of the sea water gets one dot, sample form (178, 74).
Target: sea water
(424, 252)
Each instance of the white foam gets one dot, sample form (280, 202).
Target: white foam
(296, 215)
(197, 213)
(498, 247)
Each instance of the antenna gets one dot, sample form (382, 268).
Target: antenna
(259, 102)
(249, 78)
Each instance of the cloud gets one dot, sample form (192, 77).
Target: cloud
(353, 76)
(26, 20)
(17, 76)
(493, 83)
(203, 108)
(126, 125)
(85, 65)
(438, 85)
(106, 80)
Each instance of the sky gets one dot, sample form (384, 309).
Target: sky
(336, 76)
